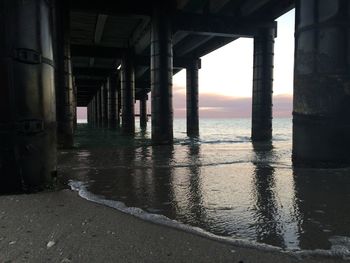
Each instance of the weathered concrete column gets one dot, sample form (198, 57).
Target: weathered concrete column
(128, 94)
(92, 112)
(93, 115)
(99, 107)
(89, 110)
(75, 104)
(88, 113)
(192, 99)
(143, 111)
(64, 82)
(161, 74)
(113, 115)
(321, 123)
(119, 92)
(27, 96)
(105, 104)
(262, 84)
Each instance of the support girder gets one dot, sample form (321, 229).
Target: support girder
(88, 82)
(107, 7)
(215, 25)
(97, 51)
(117, 53)
(87, 71)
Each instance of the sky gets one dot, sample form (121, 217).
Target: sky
(225, 79)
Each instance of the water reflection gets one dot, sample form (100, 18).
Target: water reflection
(259, 197)
(162, 172)
(322, 200)
(268, 228)
(195, 196)
(195, 188)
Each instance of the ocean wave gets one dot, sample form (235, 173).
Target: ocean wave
(235, 140)
(208, 141)
(225, 141)
(339, 249)
(153, 165)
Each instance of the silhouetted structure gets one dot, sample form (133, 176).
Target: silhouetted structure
(119, 51)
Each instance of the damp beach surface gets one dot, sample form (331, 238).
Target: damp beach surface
(62, 227)
(221, 183)
(218, 198)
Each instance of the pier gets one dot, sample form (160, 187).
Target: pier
(107, 55)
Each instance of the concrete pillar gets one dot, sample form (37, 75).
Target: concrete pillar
(119, 92)
(128, 94)
(75, 105)
(88, 113)
(64, 82)
(99, 107)
(93, 115)
(96, 109)
(113, 115)
(262, 84)
(27, 96)
(104, 103)
(101, 100)
(143, 111)
(91, 112)
(321, 123)
(192, 99)
(161, 75)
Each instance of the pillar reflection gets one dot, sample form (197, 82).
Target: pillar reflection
(267, 226)
(163, 172)
(322, 201)
(195, 197)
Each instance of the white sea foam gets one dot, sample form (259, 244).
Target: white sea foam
(340, 244)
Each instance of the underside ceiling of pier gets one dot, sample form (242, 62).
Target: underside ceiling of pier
(101, 30)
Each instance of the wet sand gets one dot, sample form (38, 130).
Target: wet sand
(62, 227)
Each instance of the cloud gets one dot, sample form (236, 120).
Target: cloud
(220, 106)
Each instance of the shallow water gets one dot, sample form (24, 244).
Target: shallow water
(221, 182)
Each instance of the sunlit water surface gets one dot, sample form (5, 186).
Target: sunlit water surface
(222, 182)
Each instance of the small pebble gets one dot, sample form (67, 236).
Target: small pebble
(50, 244)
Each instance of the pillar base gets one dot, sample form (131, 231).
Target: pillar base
(319, 142)
(260, 135)
(65, 140)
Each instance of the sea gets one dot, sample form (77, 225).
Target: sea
(220, 183)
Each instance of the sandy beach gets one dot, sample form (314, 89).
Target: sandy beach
(62, 227)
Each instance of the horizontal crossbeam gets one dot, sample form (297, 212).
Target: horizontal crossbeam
(96, 72)
(115, 8)
(118, 53)
(215, 25)
(97, 51)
